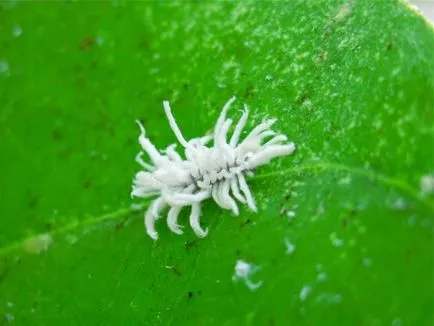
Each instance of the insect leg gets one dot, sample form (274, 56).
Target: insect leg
(221, 119)
(216, 195)
(148, 146)
(276, 140)
(221, 136)
(173, 125)
(239, 127)
(172, 220)
(224, 195)
(151, 215)
(236, 190)
(268, 153)
(172, 154)
(205, 139)
(195, 221)
(245, 189)
(142, 163)
(259, 129)
(192, 198)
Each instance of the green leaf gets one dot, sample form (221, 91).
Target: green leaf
(344, 231)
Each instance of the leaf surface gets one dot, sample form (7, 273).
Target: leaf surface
(344, 231)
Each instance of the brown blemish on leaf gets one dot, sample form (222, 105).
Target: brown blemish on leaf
(87, 43)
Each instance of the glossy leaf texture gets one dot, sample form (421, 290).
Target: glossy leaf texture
(344, 231)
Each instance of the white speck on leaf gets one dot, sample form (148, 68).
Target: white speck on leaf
(307, 103)
(321, 277)
(290, 247)
(336, 242)
(99, 40)
(345, 181)
(320, 209)
(4, 67)
(399, 204)
(304, 292)
(427, 184)
(17, 31)
(290, 214)
(243, 271)
(329, 298)
(397, 322)
(9, 317)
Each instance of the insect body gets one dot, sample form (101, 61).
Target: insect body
(216, 171)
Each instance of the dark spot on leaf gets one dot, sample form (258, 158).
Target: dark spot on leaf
(321, 58)
(4, 273)
(287, 196)
(250, 91)
(32, 201)
(129, 142)
(302, 98)
(48, 225)
(143, 121)
(144, 43)
(409, 255)
(348, 218)
(328, 31)
(64, 153)
(186, 86)
(271, 321)
(274, 262)
(111, 129)
(87, 43)
(175, 271)
(246, 222)
(57, 135)
(94, 64)
(237, 252)
(77, 67)
(87, 183)
(120, 225)
(190, 244)
(390, 46)
(190, 294)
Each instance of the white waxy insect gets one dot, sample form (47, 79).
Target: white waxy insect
(207, 171)
(243, 271)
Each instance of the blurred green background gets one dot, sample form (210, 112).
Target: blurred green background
(352, 84)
